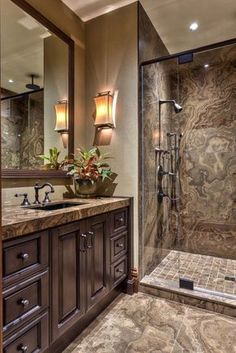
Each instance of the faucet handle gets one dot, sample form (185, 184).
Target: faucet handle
(25, 201)
(46, 198)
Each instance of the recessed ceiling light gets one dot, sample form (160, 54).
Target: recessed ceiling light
(45, 35)
(206, 66)
(193, 26)
(10, 80)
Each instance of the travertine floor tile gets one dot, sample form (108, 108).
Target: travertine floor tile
(205, 332)
(145, 324)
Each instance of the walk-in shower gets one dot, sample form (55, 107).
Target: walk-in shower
(188, 168)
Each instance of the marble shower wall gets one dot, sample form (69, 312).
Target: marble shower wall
(207, 218)
(208, 151)
(22, 131)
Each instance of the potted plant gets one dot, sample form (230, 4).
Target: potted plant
(52, 159)
(87, 169)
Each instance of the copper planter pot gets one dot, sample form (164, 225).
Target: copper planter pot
(84, 188)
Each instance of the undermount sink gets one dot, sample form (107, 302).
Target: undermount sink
(55, 205)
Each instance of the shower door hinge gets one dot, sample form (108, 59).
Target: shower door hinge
(186, 283)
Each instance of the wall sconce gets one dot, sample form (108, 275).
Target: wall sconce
(105, 109)
(61, 127)
(104, 119)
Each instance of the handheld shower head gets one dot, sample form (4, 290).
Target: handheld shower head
(177, 107)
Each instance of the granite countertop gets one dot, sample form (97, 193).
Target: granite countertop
(18, 221)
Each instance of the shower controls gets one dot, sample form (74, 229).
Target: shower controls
(159, 150)
(169, 155)
(161, 195)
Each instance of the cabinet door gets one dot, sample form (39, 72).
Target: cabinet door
(97, 259)
(68, 270)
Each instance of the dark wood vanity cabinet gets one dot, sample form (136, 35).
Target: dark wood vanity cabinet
(57, 281)
(97, 254)
(67, 276)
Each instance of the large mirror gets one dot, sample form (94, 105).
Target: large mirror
(36, 78)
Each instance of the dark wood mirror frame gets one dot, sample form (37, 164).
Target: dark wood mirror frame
(38, 173)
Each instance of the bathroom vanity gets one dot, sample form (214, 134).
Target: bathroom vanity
(61, 268)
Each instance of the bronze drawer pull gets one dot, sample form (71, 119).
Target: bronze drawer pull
(120, 245)
(90, 240)
(24, 256)
(22, 348)
(119, 270)
(121, 219)
(83, 242)
(24, 302)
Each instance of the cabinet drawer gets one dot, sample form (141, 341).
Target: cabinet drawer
(118, 246)
(119, 220)
(31, 339)
(119, 271)
(24, 301)
(24, 256)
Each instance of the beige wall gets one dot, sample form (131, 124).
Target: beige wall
(111, 64)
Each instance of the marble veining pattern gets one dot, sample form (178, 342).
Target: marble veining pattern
(18, 221)
(22, 131)
(145, 324)
(208, 159)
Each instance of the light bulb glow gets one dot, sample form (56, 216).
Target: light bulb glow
(193, 26)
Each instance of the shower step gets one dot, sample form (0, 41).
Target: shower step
(205, 299)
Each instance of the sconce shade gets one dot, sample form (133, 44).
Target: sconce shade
(61, 116)
(104, 105)
(65, 138)
(102, 136)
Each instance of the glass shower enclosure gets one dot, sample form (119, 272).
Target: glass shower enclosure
(189, 172)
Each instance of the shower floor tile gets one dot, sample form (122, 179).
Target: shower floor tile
(207, 272)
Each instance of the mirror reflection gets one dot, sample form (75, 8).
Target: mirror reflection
(34, 78)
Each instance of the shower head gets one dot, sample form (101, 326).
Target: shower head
(32, 85)
(177, 107)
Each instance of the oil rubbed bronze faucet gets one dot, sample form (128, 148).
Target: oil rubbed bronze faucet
(38, 187)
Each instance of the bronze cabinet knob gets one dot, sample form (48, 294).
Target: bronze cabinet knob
(120, 245)
(24, 302)
(22, 348)
(119, 270)
(24, 256)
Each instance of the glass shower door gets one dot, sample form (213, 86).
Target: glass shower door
(208, 230)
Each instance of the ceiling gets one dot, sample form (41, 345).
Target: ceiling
(171, 18)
